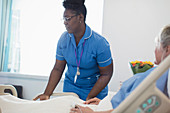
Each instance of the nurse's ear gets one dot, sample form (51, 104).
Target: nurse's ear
(81, 18)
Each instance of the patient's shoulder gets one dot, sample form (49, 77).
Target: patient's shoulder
(146, 73)
(135, 80)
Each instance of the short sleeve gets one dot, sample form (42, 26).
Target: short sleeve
(59, 53)
(104, 57)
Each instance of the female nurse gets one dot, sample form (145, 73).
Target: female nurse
(86, 54)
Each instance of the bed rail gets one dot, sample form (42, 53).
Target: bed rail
(65, 94)
(12, 88)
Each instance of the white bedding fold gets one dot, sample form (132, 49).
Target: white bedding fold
(63, 104)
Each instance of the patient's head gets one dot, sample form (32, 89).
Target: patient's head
(162, 49)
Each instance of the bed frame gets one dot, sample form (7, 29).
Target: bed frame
(147, 98)
(14, 92)
(10, 87)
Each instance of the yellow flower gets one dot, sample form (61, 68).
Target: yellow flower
(148, 62)
(137, 61)
(132, 62)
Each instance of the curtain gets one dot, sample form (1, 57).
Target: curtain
(5, 32)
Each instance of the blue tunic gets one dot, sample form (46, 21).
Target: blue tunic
(96, 52)
(129, 85)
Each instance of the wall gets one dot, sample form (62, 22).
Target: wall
(130, 27)
(32, 84)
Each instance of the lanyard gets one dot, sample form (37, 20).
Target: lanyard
(78, 63)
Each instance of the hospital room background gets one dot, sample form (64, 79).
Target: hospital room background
(130, 26)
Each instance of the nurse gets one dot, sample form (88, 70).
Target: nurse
(162, 50)
(86, 54)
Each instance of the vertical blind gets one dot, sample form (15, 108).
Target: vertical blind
(5, 27)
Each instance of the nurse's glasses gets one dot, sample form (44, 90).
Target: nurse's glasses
(67, 19)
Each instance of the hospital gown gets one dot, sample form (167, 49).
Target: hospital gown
(130, 84)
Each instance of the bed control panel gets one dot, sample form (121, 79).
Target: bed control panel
(149, 105)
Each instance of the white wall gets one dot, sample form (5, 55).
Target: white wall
(32, 84)
(130, 27)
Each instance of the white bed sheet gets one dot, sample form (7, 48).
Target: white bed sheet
(63, 104)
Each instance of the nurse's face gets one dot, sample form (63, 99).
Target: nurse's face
(71, 21)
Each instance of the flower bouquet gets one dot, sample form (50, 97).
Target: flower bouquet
(139, 66)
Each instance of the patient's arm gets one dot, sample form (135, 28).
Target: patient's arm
(93, 101)
(80, 109)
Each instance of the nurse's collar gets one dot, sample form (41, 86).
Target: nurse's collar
(89, 35)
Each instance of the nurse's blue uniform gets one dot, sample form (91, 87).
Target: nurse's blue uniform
(129, 85)
(96, 52)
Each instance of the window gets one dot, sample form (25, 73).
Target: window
(35, 29)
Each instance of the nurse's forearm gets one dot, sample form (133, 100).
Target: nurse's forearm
(105, 76)
(55, 77)
(53, 81)
(98, 87)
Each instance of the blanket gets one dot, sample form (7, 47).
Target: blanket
(63, 104)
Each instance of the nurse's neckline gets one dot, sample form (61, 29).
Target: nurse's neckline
(84, 37)
(78, 39)
(79, 35)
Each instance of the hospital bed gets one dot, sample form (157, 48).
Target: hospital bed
(11, 103)
(147, 98)
(56, 104)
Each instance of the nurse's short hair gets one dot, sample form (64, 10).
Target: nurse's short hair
(77, 6)
(164, 36)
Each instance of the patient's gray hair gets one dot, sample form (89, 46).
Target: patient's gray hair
(164, 37)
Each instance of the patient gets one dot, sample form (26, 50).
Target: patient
(162, 50)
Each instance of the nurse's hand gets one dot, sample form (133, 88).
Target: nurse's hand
(80, 109)
(93, 101)
(42, 97)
